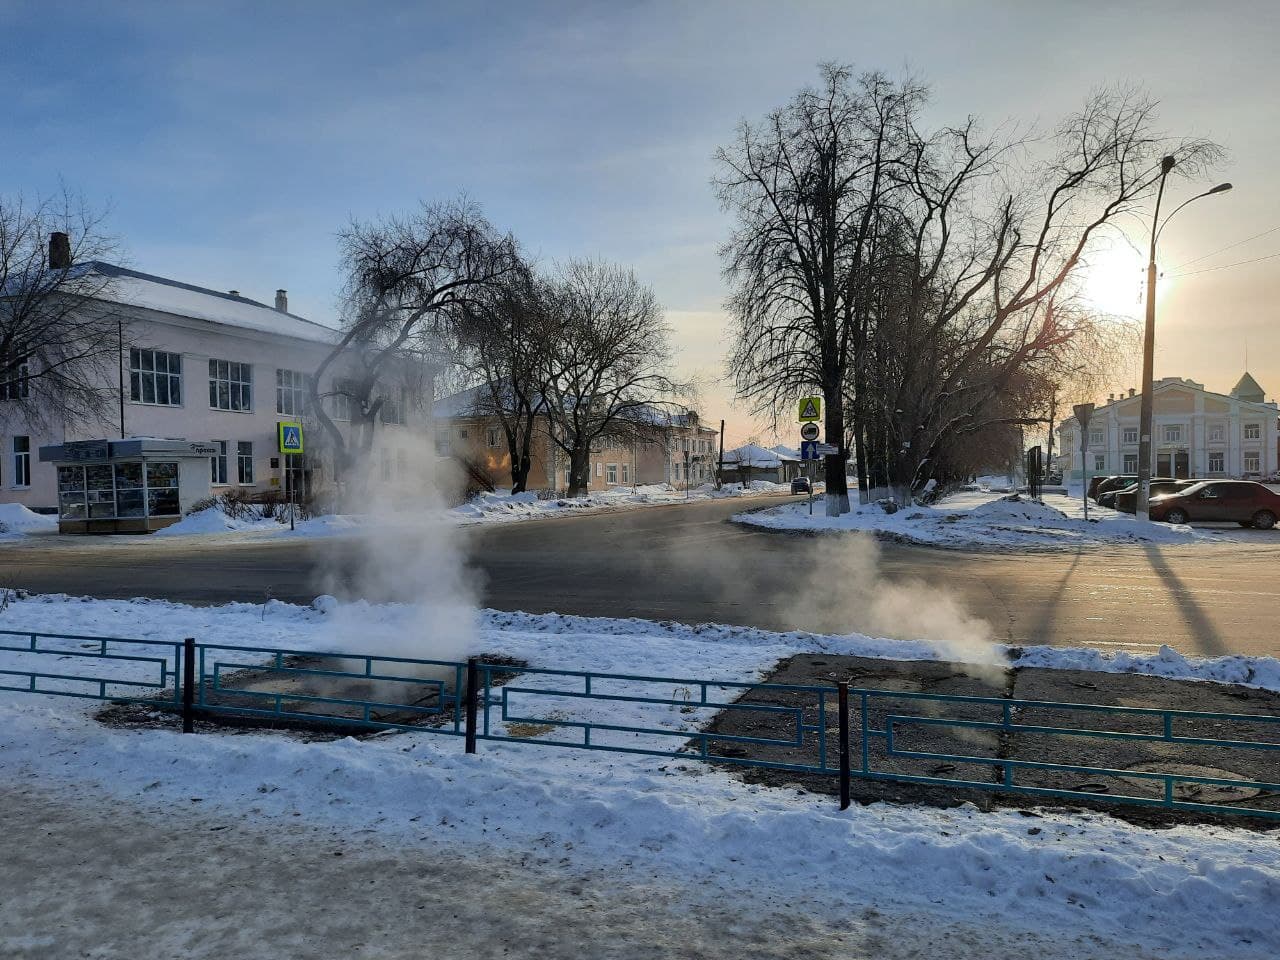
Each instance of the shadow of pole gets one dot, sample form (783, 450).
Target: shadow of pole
(1208, 642)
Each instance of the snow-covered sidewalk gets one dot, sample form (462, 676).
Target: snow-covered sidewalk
(986, 519)
(1002, 884)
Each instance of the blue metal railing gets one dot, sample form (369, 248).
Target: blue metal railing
(765, 725)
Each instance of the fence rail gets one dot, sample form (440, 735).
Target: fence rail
(847, 733)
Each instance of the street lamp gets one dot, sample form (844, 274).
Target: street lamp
(1149, 341)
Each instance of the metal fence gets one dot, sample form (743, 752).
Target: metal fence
(1035, 748)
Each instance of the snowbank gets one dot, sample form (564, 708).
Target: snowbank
(17, 521)
(986, 518)
(1182, 892)
(502, 506)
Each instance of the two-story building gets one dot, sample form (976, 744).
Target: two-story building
(679, 451)
(1196, 433)
(216, 372)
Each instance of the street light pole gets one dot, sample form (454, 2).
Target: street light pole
(1149, 343)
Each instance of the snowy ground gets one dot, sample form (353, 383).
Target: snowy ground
(501, 506)
(17, 522)
(988, 518)
(893, 879)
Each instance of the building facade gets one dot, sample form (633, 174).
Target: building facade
(1196, 433)
(199, 366)
(682, 452)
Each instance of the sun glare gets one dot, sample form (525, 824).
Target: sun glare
(1114, 279)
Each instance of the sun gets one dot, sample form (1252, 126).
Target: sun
(1114, 279)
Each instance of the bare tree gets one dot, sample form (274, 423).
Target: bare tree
(407, 279)
(805, 187)
(506, 339)
(59, 332)
(606, 364)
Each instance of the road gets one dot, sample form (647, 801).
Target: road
(688, 563)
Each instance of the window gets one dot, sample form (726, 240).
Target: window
(1095, 438)
(442, 441)
(1173, 433)
(230, 385)
(1252, 463)
(611, 473)
(493, 436)
(155, 377)
(1253, 431)
(393, 409)
(599, 468)
(244, 462)
(1130, 435)
(463, 433)
(162, 489)
(291, 392)
(1099, 462)
(1130, 463)
(1216, 432)
(626, 473)
(1216, 463)
(340, 399)
(218, 463)
(22, 461)
(16, 388)
(129, 490)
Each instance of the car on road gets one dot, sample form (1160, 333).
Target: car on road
(800, 485)
(1126, 500)
(1117, 482)
(1244, 502)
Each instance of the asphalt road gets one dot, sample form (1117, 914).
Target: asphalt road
(688, 563)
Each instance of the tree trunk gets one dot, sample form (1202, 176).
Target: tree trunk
(579, 471)
(837, 495)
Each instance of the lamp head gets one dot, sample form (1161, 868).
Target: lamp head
(1221, 188)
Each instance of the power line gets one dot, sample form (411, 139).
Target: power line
(1229, 246)
(1238, 263)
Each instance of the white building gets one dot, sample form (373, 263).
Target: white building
(1196, 433)
(200, 366)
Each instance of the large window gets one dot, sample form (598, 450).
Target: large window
(1130, 463)
(230, 385)
(1095, 438)
(291, 393)
(494, 436)
(340, 402)
(106, 491)
(1130, 435)
(611, 474)
(393, 408)
(1216, 432)
(1252, 463)
(162, 489)
(155, 377)
(17, 386)
(22, 461)
(1253, 431)
(218, 464)
(1099, 462)
(1173, 433)
(244, 462)
(1217, 463)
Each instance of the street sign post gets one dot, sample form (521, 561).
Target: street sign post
(810, 409)
(1084, 412)
(289, 437)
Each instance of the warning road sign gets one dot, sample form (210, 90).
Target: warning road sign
(809, 431)
(290, 437)
(810, 409)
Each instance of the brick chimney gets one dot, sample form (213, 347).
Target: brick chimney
(1132, 391)
(282, 301)
(233, 293)
(59, 251)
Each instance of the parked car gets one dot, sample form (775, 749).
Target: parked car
(1247, 503)
(1114, 483)
(1094, 484)
(1126, 500)
(800, 485)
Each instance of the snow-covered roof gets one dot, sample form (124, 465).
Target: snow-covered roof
(785, 452)
(467, 403)
(754, 455)
(150, 292)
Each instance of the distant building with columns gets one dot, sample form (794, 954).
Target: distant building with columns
(1195, 433)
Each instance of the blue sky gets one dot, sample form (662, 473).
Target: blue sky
(231, 141)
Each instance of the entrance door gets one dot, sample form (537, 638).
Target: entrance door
(1181, 465)
(1164, 465)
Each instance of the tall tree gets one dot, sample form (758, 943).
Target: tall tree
(59, 333)
(805, 187)
(407, 279)
(606, 364)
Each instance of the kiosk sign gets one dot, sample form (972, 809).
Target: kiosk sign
(290, 436)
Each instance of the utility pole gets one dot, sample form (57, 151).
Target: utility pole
(120, 343)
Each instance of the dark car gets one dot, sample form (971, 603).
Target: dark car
(1113, 483)
(1095, 483)
(1245, 502)
(1126, 500)
(800, 485)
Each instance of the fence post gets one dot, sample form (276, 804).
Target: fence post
(473, 696)
(843, 688)
(188, 685)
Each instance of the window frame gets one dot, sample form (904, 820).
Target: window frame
(19, 387)
(1221, 458)
(21, 462)
(139, 375)
(218, 465)
(1177, 433)
(1257, 431)
(297, 391)
(244, 463)
(239, 389)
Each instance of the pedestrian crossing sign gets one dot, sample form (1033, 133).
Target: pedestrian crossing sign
(810, 409)
(290, 437)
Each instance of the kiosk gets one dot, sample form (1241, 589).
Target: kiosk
(128, 486)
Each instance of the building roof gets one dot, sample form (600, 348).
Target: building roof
(1248, 389)
(474, 402)
(754, 455)
(132, 288)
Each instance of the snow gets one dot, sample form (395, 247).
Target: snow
(212, 520)
(990, 518)
(1182, 892)
(16, 522)
(502, 506)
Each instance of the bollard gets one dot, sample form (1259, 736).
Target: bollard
(473, 695)
(843, 688)
(188, 685)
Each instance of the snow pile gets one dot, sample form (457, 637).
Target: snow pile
(984, 518)
(212, 520)
(17, 521)
(502, 506)
(1182, 892)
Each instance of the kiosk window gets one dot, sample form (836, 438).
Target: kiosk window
(162, 489)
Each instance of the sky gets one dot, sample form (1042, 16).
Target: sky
(231, 141)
